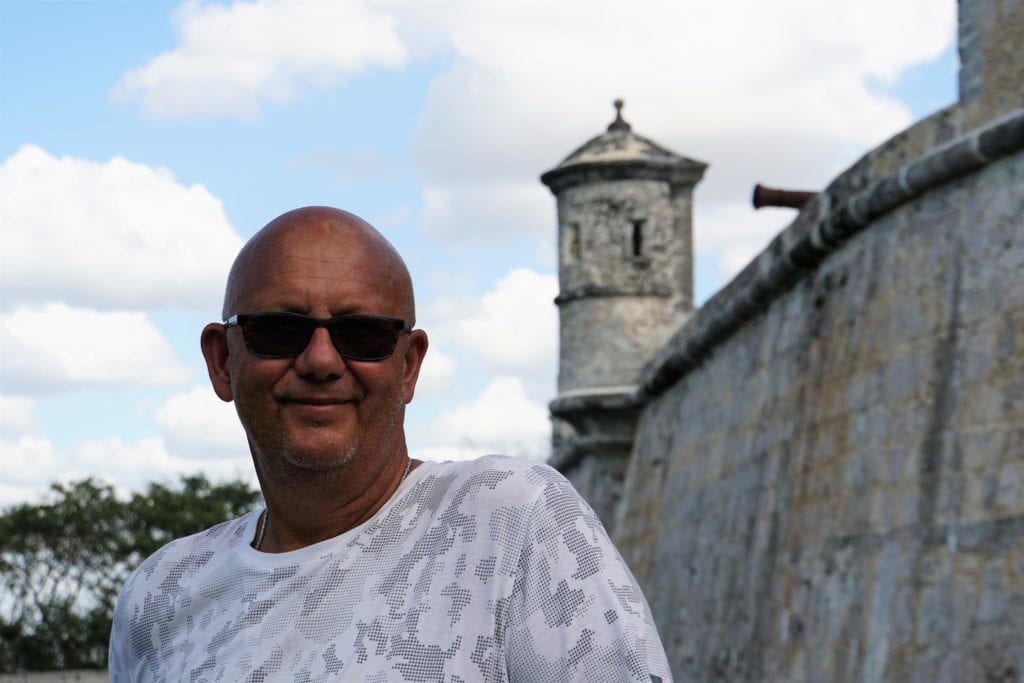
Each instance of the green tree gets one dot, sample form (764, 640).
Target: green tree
(63, 561)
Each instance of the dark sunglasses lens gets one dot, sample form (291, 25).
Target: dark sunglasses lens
(364, 337)
(277, 336)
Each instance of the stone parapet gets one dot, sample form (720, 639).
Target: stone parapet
(830, 486)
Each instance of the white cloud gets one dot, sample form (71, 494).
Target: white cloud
(197, 425)
(502, 419)
(28, 466)
(25, 458)
(131, 465)
(31, 464)
(234, 58)
(732, 235)
(17, 416)
(198, 433)
(447, 453)
(486, 210)
(56, 347)
(109, 235)
(513, 328)
(437, 374)
(525, 78)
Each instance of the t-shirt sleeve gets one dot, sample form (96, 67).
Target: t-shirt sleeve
(115, 655)
(577, 613)
(121, 664)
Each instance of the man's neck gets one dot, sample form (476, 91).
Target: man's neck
(305, 507)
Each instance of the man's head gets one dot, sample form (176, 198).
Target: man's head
(339, 228)
(317, 410)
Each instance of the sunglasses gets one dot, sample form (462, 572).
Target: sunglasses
(286, 335)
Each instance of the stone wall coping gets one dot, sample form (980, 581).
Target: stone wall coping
(569, 454)
(598, 398)
(615, 407)
(821, 227)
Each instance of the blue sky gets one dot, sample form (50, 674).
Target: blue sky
(142, 143)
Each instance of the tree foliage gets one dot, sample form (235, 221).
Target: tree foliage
(63, 561)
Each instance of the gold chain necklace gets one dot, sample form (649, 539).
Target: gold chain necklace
(266, 513)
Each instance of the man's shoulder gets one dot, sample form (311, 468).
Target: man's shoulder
(196, 549)
(494, 472)
(532, 470)
(499, 482)
(226, 533)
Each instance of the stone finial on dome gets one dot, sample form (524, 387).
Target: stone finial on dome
(619, 123)
(620, 152)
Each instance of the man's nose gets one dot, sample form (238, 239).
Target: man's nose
(320, 359)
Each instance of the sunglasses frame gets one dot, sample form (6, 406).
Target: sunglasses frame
(312, 324)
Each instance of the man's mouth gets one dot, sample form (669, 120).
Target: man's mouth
(319, 401)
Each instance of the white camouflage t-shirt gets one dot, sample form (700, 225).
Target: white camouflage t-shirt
(491, 570)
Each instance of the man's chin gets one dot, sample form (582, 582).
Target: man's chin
(318, 463)
(318, 460)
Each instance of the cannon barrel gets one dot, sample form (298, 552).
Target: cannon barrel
(773, 196)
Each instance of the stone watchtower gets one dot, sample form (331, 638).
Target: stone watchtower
(625, 267)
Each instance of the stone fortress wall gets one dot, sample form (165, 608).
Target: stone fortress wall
(825, 472)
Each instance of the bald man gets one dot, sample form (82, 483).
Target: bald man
(367, 565)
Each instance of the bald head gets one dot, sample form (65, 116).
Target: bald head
(316, 229)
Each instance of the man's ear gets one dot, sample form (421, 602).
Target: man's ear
(214, 342)
(414, 354)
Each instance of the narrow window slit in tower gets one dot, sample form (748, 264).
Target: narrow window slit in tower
(574, 241)
(638, 237)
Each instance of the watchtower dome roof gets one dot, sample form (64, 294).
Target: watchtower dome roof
(621, 152)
